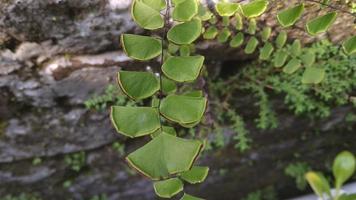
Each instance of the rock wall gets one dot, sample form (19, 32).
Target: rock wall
(55, 54)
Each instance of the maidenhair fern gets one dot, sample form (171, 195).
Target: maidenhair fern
(169, 160)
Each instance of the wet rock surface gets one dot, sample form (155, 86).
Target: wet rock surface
(56, 54)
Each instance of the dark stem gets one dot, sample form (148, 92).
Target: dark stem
(333, 7)
(166, 18)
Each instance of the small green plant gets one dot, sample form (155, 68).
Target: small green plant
(119, 148)
(36, 161)
(343, 168)
(267, 193)
(111, 96)
(297, 171)
(75, 161)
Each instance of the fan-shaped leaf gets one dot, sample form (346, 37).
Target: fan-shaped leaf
(226, 8)
(183, 68)
(313, 75)
(289, 16)
(168, 188)
(146, 16)
(308, 59)
(281, 39)
(254, 9)
(190, 197)
(210, 33)
(280, 58)
(155, 4)
(292, 66)
(252, 27)
(239, 24)
(165, 129)
(194, 93)
(350, 45)
(296, 48)
(164, 155)
(138, 85)
(183, 109)
(237, 40)
(266, 51)
(226, 21)
(266, 33)
(141, 47)
(126, 120)
(203, 13)
(224, 35)
(318, 183)
(168, 86)
(343, 167)
(251, 45)
(195, 175)
(186, 32)
(185, 10)
(184, 50)
(321, 24)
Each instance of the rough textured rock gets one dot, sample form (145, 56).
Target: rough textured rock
(55, 54)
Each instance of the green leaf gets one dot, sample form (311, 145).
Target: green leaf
(155, 4)
(183, 109)
(195, 175)
(184, 50)
(239, 24)
(289, 16)
(251, 45)
(186, 10)
(252, 27)
(281, 39)
(141, 47)
(224, 35)
(280, 58)
(194, 93)
(138, 85)
(343, 167)
(225, 21)
(165, 155)
(165, 129)
(226, 8)
(348, 197)
(318, 183)
(308, 58)
(173, 48)
(190, 197)
(254, 9)
(266, 51)
(266, 33)
(183, 68)
(313, 75)
(237, 40)
(185, 33)
(203, 13)
(146, 16)
(321, 24)
(168, 86)
(168, 188)
(350, 45)
(135, 121)
(292, 66)
(210, 33)
(296, 48)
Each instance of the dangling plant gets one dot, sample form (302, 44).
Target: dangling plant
(167, 159)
